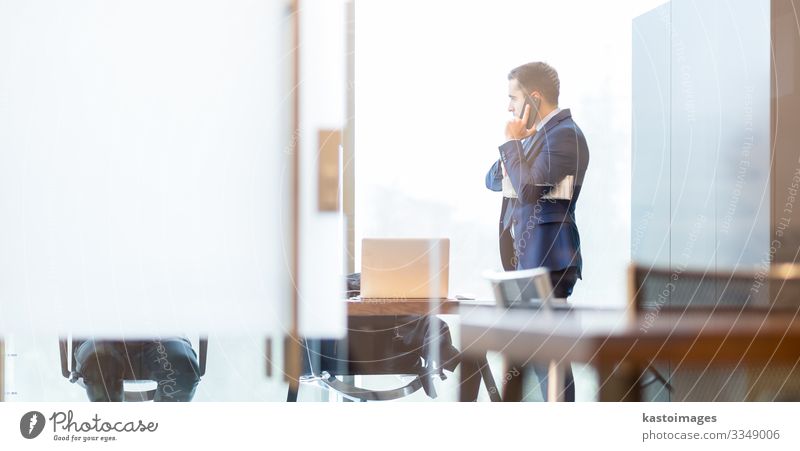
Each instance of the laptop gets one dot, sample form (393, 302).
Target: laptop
(405, 268)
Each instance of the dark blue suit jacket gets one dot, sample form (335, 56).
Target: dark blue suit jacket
(545, 230)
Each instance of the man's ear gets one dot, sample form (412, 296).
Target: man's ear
(537, 98)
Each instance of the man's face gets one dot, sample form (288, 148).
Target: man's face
(516, 98)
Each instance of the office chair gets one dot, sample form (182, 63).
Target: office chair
(375, 347)
(133, 391)
(527, 288)
(677, 290)
(523, 288)
(323, 364)
(653, 290)
(532, 288)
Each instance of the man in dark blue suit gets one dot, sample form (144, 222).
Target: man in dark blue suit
(540, 172)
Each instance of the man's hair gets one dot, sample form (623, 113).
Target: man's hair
(537, 76)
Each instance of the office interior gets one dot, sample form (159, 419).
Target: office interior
(211, 171)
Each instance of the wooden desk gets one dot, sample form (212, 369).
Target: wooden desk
(620, 345)
(392, 307)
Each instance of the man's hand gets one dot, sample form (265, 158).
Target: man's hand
(515, 128)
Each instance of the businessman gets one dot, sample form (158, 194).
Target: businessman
(540, 172)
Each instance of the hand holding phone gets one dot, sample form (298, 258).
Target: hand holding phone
(534, 104)
(515, 129)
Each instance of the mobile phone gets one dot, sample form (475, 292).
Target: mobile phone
(534, 103)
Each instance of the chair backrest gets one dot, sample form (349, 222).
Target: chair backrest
(520, 288)
(653, 290)
(662, 288)
(68, 345)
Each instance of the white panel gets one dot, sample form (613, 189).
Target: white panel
(322, 105)
(741, 40)
(650, 133)
(140, 166)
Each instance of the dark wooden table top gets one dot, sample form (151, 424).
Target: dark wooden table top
(610, 336)
(390, 307)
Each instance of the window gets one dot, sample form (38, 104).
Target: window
(431, 108)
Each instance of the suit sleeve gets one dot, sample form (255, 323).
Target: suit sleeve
(557, 159)
(494, 178)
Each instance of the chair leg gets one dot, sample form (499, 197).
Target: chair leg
(472, 371)
(291, 395)
(352, 381)
(488, 380)
(512, 391)
(470, 382)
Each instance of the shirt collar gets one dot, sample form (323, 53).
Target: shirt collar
(547, 118)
